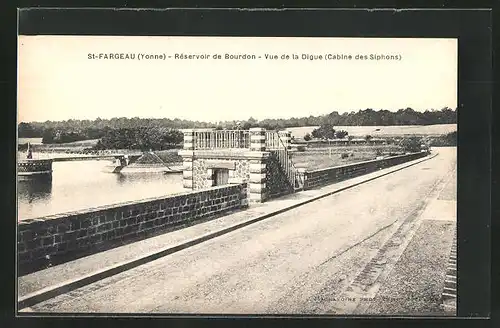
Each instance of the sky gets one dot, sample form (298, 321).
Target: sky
(57, 80)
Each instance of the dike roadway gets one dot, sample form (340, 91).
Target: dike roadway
(376, 244)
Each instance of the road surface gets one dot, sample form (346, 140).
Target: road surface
(298, 262)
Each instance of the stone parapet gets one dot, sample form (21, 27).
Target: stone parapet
(317, 178)
(47, 240)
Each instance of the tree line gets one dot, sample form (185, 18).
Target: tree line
(112, 131)
(326, 131)
(143, 138)
(408, 116)
(367, 117)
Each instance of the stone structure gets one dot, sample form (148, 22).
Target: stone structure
(317, 178)
(258, 157)
(66, 236)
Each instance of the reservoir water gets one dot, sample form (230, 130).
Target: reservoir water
(78, 185)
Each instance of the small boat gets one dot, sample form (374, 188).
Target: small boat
(112, 168)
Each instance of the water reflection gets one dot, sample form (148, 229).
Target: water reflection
(82, 184)
(34, 188)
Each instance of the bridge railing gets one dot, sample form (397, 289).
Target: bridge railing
(34, 165)
(221, 139)
(205, 139)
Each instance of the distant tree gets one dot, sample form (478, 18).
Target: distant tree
(307, 137)
(252, 122)
(143, 138)
(246, 126)
(27, 130)
(325, 131)
(341, 134)
(449, 139)
(411, 144)
(98, 128)
(48, 136)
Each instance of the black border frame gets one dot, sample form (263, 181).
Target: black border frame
(472, 28)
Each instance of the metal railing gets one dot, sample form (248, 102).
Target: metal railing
(273, 140)
(240, 139)
(34, 165)
(221, 139)
(295, 178)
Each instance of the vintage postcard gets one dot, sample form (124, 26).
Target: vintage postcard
(237, 175)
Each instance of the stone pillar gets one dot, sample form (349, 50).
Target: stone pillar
(188, 139)
(257, 139)
(187, 171)
(257, 181)
(187, 158)
(286, 137)
(257, 166)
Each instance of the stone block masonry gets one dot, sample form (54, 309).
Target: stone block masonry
(213, 157)
(67, 236)
(317, 178)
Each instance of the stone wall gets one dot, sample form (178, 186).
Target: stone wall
(67, 236)
(243, 165)
(202, 170)
(326, 176)
(262, 171)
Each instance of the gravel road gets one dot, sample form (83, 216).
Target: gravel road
(295, 262)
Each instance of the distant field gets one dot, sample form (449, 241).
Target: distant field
(320, 158)
(384, 131)
(316, 161)
(32, 140)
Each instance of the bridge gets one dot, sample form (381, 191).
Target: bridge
(34, 168)
(95, 157)
(268, 238)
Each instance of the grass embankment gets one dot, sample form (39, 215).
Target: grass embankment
(321, 158)
(169, 156)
